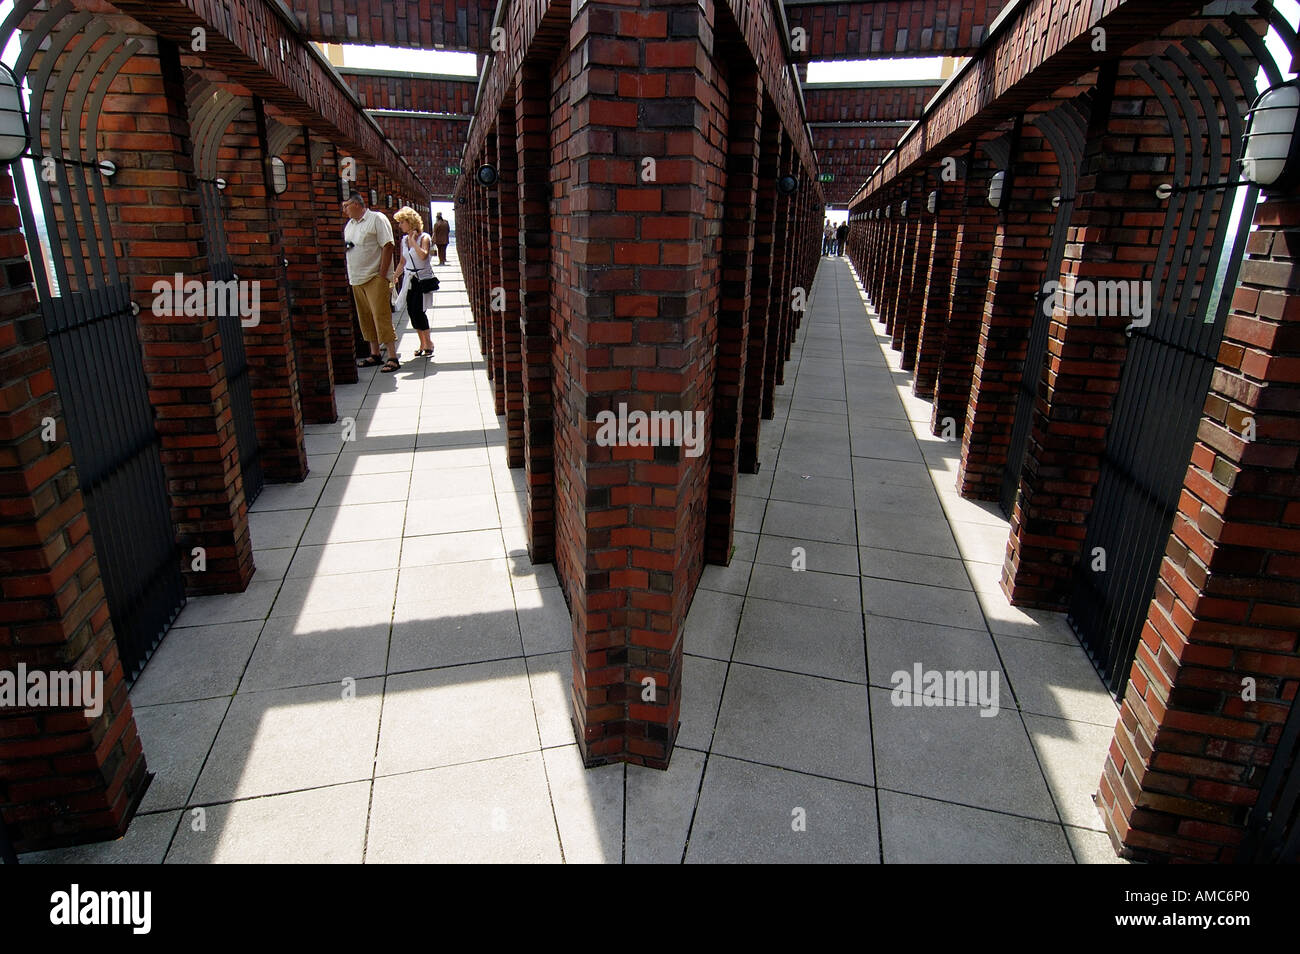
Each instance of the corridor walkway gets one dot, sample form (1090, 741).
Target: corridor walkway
(393, 686)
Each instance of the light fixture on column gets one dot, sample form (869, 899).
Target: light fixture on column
(487, 174)
(279, 176)
(1056, 201)
(220, 184)
(932, 202)
(374, 197)
(14, 137)
(888, 211)
(1272, 154)
(390, 200)
(786, 185)
(902, 209)
(995, 189)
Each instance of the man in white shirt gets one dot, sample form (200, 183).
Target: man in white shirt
(368, 238)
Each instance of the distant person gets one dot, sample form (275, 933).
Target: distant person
(841, 236)
(414, 266)
(828, 238)
(441, 236)
(368, 239)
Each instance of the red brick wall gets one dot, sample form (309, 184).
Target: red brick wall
(422, 92)
(446, 24)
(867, 102)
(850, 31)
(64, 776)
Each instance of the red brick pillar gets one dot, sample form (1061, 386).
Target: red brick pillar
(64, 776)
(760, 288)
(911, 278)
(508, 229)
(328, 217)
(891, 293)
(630, 518)
(295, 211)
(972, 254)
(257, 251)
(1016, 276)
(532, 136)
(1190, 750)
(743, 127)
(778, 306)
(495, 289)
(941, 227)
(158, 226)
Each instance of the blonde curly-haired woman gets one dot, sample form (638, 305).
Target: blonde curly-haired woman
(417, 247)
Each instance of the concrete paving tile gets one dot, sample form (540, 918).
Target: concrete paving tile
(805, 639)
(660, 803)
(1057, 679)
(486, 812)
(807, 588)
(298, 496)
(176, 738)
(733, 578)
(914, 568)
(1073, 755)
(927, 604)
(831, 524)
(458, 714)
(810, 489)
(309, 648)
(544, 620)
(921, 831)
(196, 662)
(1093, 847)
(818, 555)
(958, 755)
(346, 489)
(702, 682)
(897, 645)
(798, 722)
(711, 623)
(379, 521)
(455, 515)
(319, 826)
(291, 739)
(755, 814)
(345, 558)
(906, 531)
(331, 594)
(588, 807)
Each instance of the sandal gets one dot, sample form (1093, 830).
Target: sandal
(391, 365)
(369, 362)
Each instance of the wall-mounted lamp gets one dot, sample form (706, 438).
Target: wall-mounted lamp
(995, 189)
(1056, 201)
(106, 168)
(487, 174)
(14, 137)
(932, 202)
(374, 197)
(279, 176)
(220, 184)
(786, 185)
(887, 211)
(1272, 156)
(390, 201)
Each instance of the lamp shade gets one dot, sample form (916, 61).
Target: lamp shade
(13, 118)
(279, 175)
(887, 208)
(487, 174)
(374, 196)
(902, 208)
(786, 185)
(932, 202)
(995, 189)
(1270, 160)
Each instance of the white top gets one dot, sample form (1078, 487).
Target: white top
(412, 263)
(368, 235)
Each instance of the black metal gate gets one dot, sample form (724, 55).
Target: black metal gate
(1065, 128)
(66, 63)
(1273, 828)
(1204, 86)
(238, 383)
